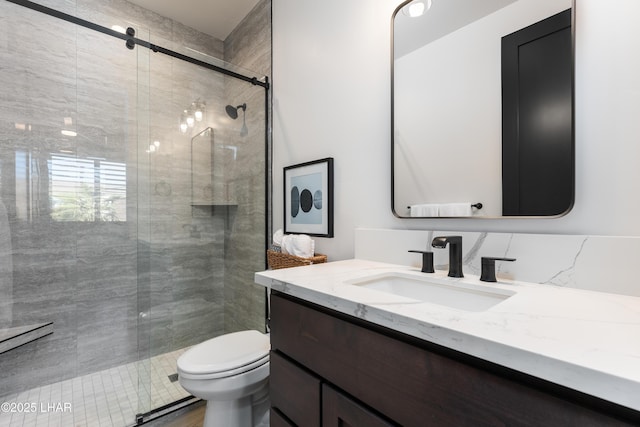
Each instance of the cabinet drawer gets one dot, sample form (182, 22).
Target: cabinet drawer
(339, 410)
(410, 384)
(294, 392)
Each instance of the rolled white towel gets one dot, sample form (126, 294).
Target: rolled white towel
(456, 209)
(425, 209)
(299, 245)
(277, 237)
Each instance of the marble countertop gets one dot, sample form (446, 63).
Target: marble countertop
(587, 341)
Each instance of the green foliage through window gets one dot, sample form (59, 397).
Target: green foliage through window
(87, 189)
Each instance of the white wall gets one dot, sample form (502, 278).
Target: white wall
(331, 91)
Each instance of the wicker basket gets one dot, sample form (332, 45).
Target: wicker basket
(279, 260)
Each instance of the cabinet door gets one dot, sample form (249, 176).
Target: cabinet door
(294, 391)
(339, 410)
(277, 420)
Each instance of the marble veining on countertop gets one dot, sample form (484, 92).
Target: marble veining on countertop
(585, 340)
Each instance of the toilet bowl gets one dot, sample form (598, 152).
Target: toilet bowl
(230, 372)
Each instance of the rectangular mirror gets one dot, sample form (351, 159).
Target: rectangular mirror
(482, 109)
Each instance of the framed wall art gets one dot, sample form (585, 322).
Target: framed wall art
(308, 198)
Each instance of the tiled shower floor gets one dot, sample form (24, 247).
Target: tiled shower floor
(109, 398)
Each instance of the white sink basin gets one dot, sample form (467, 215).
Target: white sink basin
(459, 295)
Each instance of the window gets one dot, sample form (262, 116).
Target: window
(87, 189)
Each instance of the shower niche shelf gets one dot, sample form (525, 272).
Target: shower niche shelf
(15, 337)
(212, 204)
(212, 209)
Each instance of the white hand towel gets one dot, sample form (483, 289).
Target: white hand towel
(277, 237)
(456, 209)
(425, 209)
(299, 245)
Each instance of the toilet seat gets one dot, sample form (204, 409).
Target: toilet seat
(225, 356)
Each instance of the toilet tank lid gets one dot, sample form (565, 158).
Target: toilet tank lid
(225, 352)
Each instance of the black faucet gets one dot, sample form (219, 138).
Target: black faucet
(455, 253)
(427, 261)
(488, 272)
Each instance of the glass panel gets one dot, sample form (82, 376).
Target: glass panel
(68, 218)
(207, 215)
(139, 149)
(41, 267)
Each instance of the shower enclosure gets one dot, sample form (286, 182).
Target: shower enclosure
(132, 207)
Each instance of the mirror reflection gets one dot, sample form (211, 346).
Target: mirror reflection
(482, 109)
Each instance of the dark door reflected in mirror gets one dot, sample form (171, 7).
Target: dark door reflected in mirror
(482, 109)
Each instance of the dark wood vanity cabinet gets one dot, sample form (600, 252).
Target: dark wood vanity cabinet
(300, 398)
(329, 369)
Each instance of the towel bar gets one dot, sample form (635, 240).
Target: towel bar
(475, 205)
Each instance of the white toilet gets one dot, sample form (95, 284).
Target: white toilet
(230, 372)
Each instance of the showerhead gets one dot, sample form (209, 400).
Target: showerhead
(233, 111)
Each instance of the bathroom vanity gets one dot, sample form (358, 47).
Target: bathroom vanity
(345, 352)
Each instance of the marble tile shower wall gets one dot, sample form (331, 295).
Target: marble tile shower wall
(115, 297)
(250, 45)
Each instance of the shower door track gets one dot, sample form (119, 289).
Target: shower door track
(131, 39)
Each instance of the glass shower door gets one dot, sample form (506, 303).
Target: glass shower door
(139, 149)
(137, 237)
(201, 215)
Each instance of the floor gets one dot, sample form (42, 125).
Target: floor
(109, 398)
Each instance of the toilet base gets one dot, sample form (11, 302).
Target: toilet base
(250, 411)
(261, 407)
(228, 413)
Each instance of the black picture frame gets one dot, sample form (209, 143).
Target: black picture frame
(308, 198)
